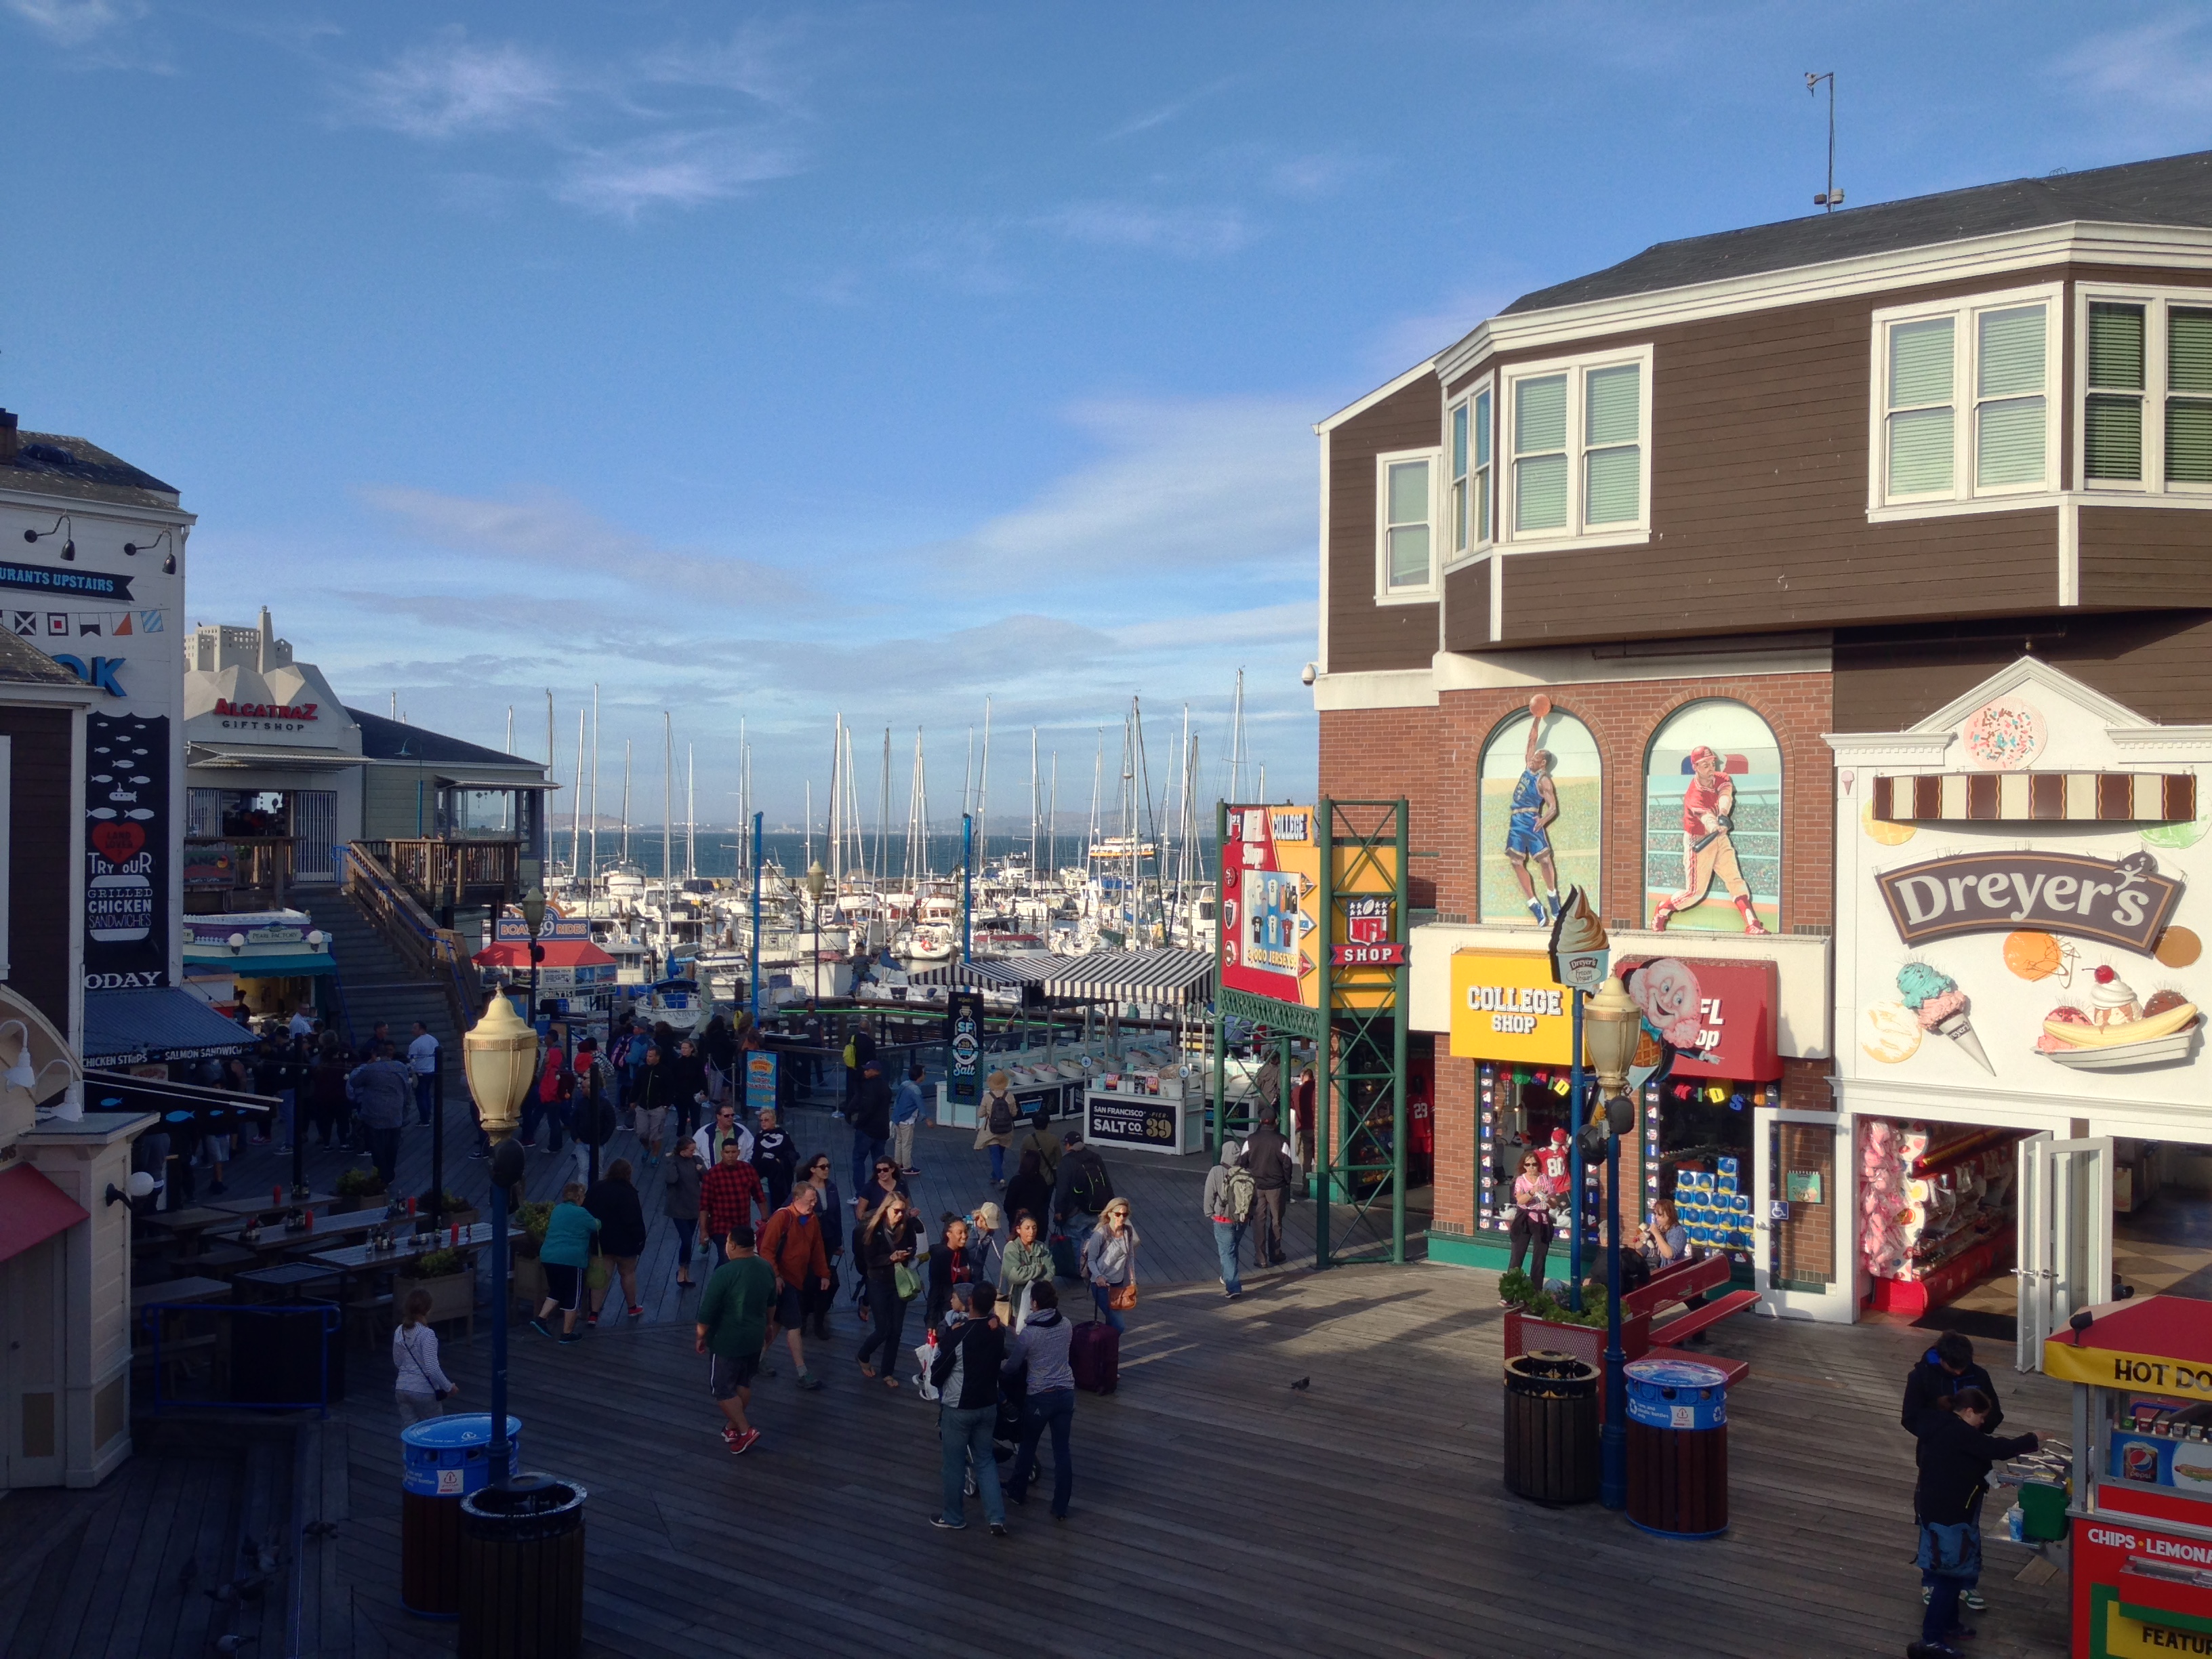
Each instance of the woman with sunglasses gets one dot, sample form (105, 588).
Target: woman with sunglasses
(830, 1208)
(886, 1244)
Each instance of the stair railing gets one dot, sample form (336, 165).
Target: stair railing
(431, 952)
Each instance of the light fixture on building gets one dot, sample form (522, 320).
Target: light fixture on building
(316, 939)
(132, 549)
(60, 525)
(141, 1186)
(237, 942)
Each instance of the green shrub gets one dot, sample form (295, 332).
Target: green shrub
(532, 1219)
(438, 1263)
(360, 1183)
(1516, 1287)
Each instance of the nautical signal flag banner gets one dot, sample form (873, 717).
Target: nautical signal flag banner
(77, 624)
(1270, 893)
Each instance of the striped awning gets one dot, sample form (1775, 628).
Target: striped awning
(1006, 973)
(2026, 797)
(1156, 976)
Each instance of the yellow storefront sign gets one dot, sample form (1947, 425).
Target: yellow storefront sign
(2106, 1367)
(2134, 1638)
(1506, 1005)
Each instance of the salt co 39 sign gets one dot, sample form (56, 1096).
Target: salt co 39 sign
(2126, 903)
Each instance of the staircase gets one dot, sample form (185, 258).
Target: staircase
(376, 983)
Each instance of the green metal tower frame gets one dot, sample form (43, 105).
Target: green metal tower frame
(1363, 1070)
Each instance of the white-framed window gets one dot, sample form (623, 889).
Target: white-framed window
(2144, 362)
(1965, 406)
(1405, 490)
(1470, 503)
(1576, 452)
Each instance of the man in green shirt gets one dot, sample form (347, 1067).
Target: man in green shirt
(733, 1328)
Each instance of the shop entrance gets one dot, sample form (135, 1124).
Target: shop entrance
(2065, 1235)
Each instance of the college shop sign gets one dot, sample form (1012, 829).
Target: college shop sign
(1506, 1006)
(2126, 903)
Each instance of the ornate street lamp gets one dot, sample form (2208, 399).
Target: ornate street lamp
(500, 1058)
(814, 876)
(1611, 1024)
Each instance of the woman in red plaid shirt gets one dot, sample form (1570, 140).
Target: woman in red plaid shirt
(728, 1194)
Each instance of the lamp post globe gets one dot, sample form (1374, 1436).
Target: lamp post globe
(499, 1057)
(1611, 1024)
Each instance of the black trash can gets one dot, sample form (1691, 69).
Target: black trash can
(522, 1570)
(286, 1356)
(1551, 1428)
(1678, 1448)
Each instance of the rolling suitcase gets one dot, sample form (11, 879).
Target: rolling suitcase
(1094, 1354)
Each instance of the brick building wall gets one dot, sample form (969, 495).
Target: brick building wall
(1433, 757)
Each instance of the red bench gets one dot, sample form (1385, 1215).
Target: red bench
(1678, 1284)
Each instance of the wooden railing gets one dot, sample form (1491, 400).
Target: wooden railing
(432, 952)
(260, 869)
(467, 873)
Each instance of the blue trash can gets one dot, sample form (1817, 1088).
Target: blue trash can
(445, 1458)
(1678, 1448)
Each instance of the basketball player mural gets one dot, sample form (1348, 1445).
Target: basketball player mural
(1708, 843)
(1534, 808)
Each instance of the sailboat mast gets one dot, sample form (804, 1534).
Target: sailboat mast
(1033, 803)
(668, 832)
(883, 815)
(625, 830)
(837, 824)
(983, 797)
(690, 818)
(1052, 820)
(576, 809)
(593, 873)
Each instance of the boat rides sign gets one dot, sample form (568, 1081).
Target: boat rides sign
(2126, 903)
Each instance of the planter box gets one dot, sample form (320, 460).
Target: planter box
(459, 1215)
(344, 1206)
(529, 1281)
(453, 1296)
(1526, 1334)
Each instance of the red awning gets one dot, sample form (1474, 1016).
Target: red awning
(33, 1210)
(559, 953)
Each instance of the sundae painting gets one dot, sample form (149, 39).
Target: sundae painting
(1935, 1001)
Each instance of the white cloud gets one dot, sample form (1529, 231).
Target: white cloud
(1190, 233)
(677, 169)
(450, 87)
(2161, 66)
(1161, 115)
(74, 22)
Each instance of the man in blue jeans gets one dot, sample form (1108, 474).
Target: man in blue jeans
(966, 1375)
(1039, 1353)
(1227, 1202)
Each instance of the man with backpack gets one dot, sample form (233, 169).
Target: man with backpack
(1083, 1190)
(871, 1115)
(1267, 1157)
(1228, 1204)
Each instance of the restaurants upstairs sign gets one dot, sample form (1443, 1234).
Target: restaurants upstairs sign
(2127, 904)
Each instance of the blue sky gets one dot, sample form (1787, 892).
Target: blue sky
(876, 358)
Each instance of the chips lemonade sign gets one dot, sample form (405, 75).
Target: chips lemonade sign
(1506, 1006)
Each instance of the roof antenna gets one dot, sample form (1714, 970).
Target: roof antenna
(1830, 198)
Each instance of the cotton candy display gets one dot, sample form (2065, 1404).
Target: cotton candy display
(1925, 1196)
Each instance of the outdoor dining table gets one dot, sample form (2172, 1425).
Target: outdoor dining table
(255, 1204)
(190, 1221)
(284, 1279)
(194, 1288)
(405, 1251)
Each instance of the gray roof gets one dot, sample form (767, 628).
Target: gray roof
(77, 467)
(2174, 190)
(22, 663)
(390, 740)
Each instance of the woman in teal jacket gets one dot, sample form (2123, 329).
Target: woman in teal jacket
(565, 1253)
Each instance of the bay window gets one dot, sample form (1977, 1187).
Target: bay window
(1964, 409)
(2146, 362)
(1580, 461)
(1469, 508)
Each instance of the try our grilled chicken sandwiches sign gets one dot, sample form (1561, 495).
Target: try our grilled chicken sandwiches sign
(2126, 903)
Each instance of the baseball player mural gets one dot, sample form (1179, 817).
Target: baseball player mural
(1732, 795)
(1539, 815)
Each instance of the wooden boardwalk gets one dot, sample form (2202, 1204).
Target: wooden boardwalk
(1217, 1509)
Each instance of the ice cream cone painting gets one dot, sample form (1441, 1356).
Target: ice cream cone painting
(1935, 1001)
(1712, 821)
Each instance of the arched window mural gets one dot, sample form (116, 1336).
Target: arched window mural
(1712, 821)
(1542, 790)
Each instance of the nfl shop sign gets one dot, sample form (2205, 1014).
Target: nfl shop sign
(1367, 942)
(1736, 1002)
(1506, 1006)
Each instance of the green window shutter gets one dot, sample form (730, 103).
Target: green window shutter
(2188, 440)
(1482, 527)
(1540, 493)
(1459, 441)
(1920, 452)
(1920, 363)
(1539, 414)
(2011, 348)
(1613, 486)
(1409, 555)
(2112, 437)
(2187, 349)
(2116, 350)
(1612, 415)
(1482, 428)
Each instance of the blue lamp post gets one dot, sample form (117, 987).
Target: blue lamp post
(1611, 1023)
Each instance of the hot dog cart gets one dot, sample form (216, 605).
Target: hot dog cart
(2140, 1513)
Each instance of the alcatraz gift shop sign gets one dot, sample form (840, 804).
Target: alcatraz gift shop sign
(2126, 903)
(126, 799)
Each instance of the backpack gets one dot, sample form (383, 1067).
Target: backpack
(1238, 1191)
(1635, 1271)
(1091, 1189)
(1002, 1114)
(852, 1056)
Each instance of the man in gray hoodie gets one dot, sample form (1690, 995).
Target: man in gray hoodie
(1040, 1350)
(382, 1091)
(1228, 1203)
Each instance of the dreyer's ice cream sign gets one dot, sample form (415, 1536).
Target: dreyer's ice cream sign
(2126, 903)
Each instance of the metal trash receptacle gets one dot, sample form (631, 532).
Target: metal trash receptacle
(288, 1355)
(1551, 1428)
(522, 1570)
(1678, 1448)
(446, 1459)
